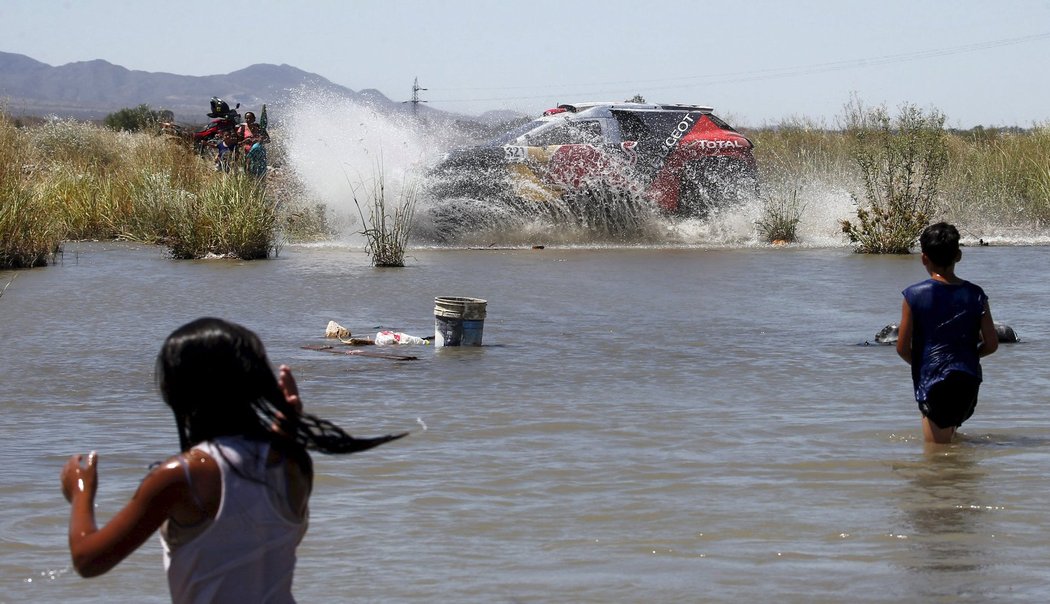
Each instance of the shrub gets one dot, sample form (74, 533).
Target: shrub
(134, 120)
(901, 162)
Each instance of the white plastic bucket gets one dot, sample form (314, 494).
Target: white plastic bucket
(458, 321)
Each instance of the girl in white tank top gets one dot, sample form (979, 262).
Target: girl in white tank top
(232, 506)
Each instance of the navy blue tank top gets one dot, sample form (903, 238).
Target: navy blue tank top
(947, 325)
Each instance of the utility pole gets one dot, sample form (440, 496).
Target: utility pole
(415, 97)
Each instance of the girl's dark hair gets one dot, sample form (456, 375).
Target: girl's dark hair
(216, 378)
(940, 243)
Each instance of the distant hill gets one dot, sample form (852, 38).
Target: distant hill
(94, 89)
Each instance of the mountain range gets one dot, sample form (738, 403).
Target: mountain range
(93, 89)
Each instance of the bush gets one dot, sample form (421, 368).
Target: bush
(134, 120)
(901, 162)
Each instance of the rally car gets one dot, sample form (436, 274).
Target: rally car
(682, 158)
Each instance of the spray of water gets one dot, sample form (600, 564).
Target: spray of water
(337, 147)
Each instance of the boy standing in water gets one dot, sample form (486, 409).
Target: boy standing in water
(946, 327)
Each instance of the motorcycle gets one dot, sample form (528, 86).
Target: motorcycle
(223, 120)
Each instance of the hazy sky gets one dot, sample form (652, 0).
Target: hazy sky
(757, 62)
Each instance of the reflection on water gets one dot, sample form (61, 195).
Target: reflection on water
(945, 507)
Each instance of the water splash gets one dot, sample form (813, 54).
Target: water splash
(338, 146)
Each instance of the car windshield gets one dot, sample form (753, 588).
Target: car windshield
(566, 132)
(558, 131)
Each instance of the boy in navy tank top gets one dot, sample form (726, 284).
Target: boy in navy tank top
(946, 327)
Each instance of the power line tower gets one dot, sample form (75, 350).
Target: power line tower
(415, 97)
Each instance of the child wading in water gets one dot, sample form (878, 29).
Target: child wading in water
(946, 327)
(232, 506)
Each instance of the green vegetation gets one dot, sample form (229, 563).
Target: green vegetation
(780, 217)
(386, 235)
(978, 179)
(230, 217)
(901, 162)
(64, 180)
(1000, 173)
(29, 235)
(141, 118)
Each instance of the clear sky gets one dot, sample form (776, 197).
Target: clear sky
(758, 62)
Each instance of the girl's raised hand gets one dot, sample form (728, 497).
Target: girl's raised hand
(286, 382)
(78, 477)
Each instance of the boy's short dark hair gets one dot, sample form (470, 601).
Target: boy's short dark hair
(940, 243)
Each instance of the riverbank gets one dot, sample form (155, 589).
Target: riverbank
(65, 180)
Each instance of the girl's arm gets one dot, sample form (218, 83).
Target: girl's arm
(96, 550)
(904, 333)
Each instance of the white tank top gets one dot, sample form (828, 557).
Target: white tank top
(247, 554)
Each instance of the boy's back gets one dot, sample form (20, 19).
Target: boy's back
(946, 327)
(946, 319)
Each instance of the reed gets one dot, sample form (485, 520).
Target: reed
(303, 217)
(387, 227)
(802, 150)
(30, 231)
(992, 177)
(29, 236)
(65, 180)
(1002, 176)
(780, 217)
(7, 285)
(160, 174)
(231, 217)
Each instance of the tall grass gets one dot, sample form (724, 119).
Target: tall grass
(800, 150)
(1000, 174)
(231, 217)
(389, 221)
(62, 180)
(66, 180)
(30, 234)
(780, 217)
(992, 178)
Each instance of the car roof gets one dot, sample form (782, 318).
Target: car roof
(578, 107)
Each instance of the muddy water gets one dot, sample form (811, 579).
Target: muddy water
(668, 425)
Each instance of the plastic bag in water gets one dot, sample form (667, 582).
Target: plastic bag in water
(394, 338)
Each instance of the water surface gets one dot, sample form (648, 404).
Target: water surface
(657, 424)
